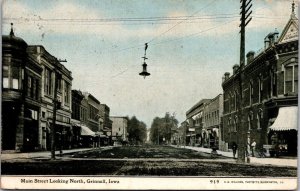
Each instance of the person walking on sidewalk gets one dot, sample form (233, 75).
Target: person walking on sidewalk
(234, 148)
(253, 145)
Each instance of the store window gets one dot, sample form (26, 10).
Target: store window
(15, 83)
(5, 82)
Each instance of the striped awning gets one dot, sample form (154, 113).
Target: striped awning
(287, 119)
(85, 131)
(198, 115)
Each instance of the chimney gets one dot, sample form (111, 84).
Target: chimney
(250, 56)
(267, 42)
(226, 75)
(235, 68)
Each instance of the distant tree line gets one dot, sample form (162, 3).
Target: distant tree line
(137, 131)
(161, 129)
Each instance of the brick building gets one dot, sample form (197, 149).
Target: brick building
(29, 74)
(53, 70)
(194, 123)
(107, 123)
(269, 90)
(86, 118)
(211, 131)
(21, 96)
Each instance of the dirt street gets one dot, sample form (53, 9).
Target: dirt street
(143, 161)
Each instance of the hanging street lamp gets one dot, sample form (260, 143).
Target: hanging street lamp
(144, 73)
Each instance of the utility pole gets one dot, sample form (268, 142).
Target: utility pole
(55, 107)
(54, 118)
(242, 138)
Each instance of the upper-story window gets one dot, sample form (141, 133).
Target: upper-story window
(251, 92)
(259, 117)
(235, 100)
(32, 87)
(67, 93)
(10, 77)
(37, 88)
(48, 82)
(93, 112)
(15, 77)
(291, 78)
(5, 79)
(229, 125)
(59, 84)
(250, 118)
(235, 124)
(273, 87)
(29, 86)
(260, 88)
(229, 101)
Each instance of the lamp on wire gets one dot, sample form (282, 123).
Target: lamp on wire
(144, 73)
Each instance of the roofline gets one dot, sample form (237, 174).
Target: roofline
(201, 102)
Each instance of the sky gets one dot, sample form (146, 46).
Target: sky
(191, 44)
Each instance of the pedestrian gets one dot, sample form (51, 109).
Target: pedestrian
(234, 148)
(253, 145)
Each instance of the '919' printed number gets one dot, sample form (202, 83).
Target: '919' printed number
(214, 181)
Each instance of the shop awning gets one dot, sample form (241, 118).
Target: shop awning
(85, 131)
(216, 130)
(287, 119)
(197, 116)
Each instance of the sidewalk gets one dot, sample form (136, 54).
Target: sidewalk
(291, 162)
(40, 154)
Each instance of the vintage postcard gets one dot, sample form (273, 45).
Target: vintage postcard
(149, 94)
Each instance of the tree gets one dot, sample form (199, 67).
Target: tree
(137, 131)
(161, 129)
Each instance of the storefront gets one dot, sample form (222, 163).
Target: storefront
(87, 136)
(282, 134)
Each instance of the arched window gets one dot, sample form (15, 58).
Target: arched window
(229, 101)
(229, 125)
(235, 123)
(291, 77)
(259, 117)
(250, 118)
(235, 99)
(260, 88)
(251, 92)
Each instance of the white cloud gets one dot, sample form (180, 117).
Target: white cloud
(32, 21)
(272, 14)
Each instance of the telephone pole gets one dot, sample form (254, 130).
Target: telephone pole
(56, 105)
(54, 117)
(242, 138)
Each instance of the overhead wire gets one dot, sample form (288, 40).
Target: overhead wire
(181, 22)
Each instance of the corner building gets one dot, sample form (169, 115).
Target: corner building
(269, 102)
(21, 96)
(28, 76)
